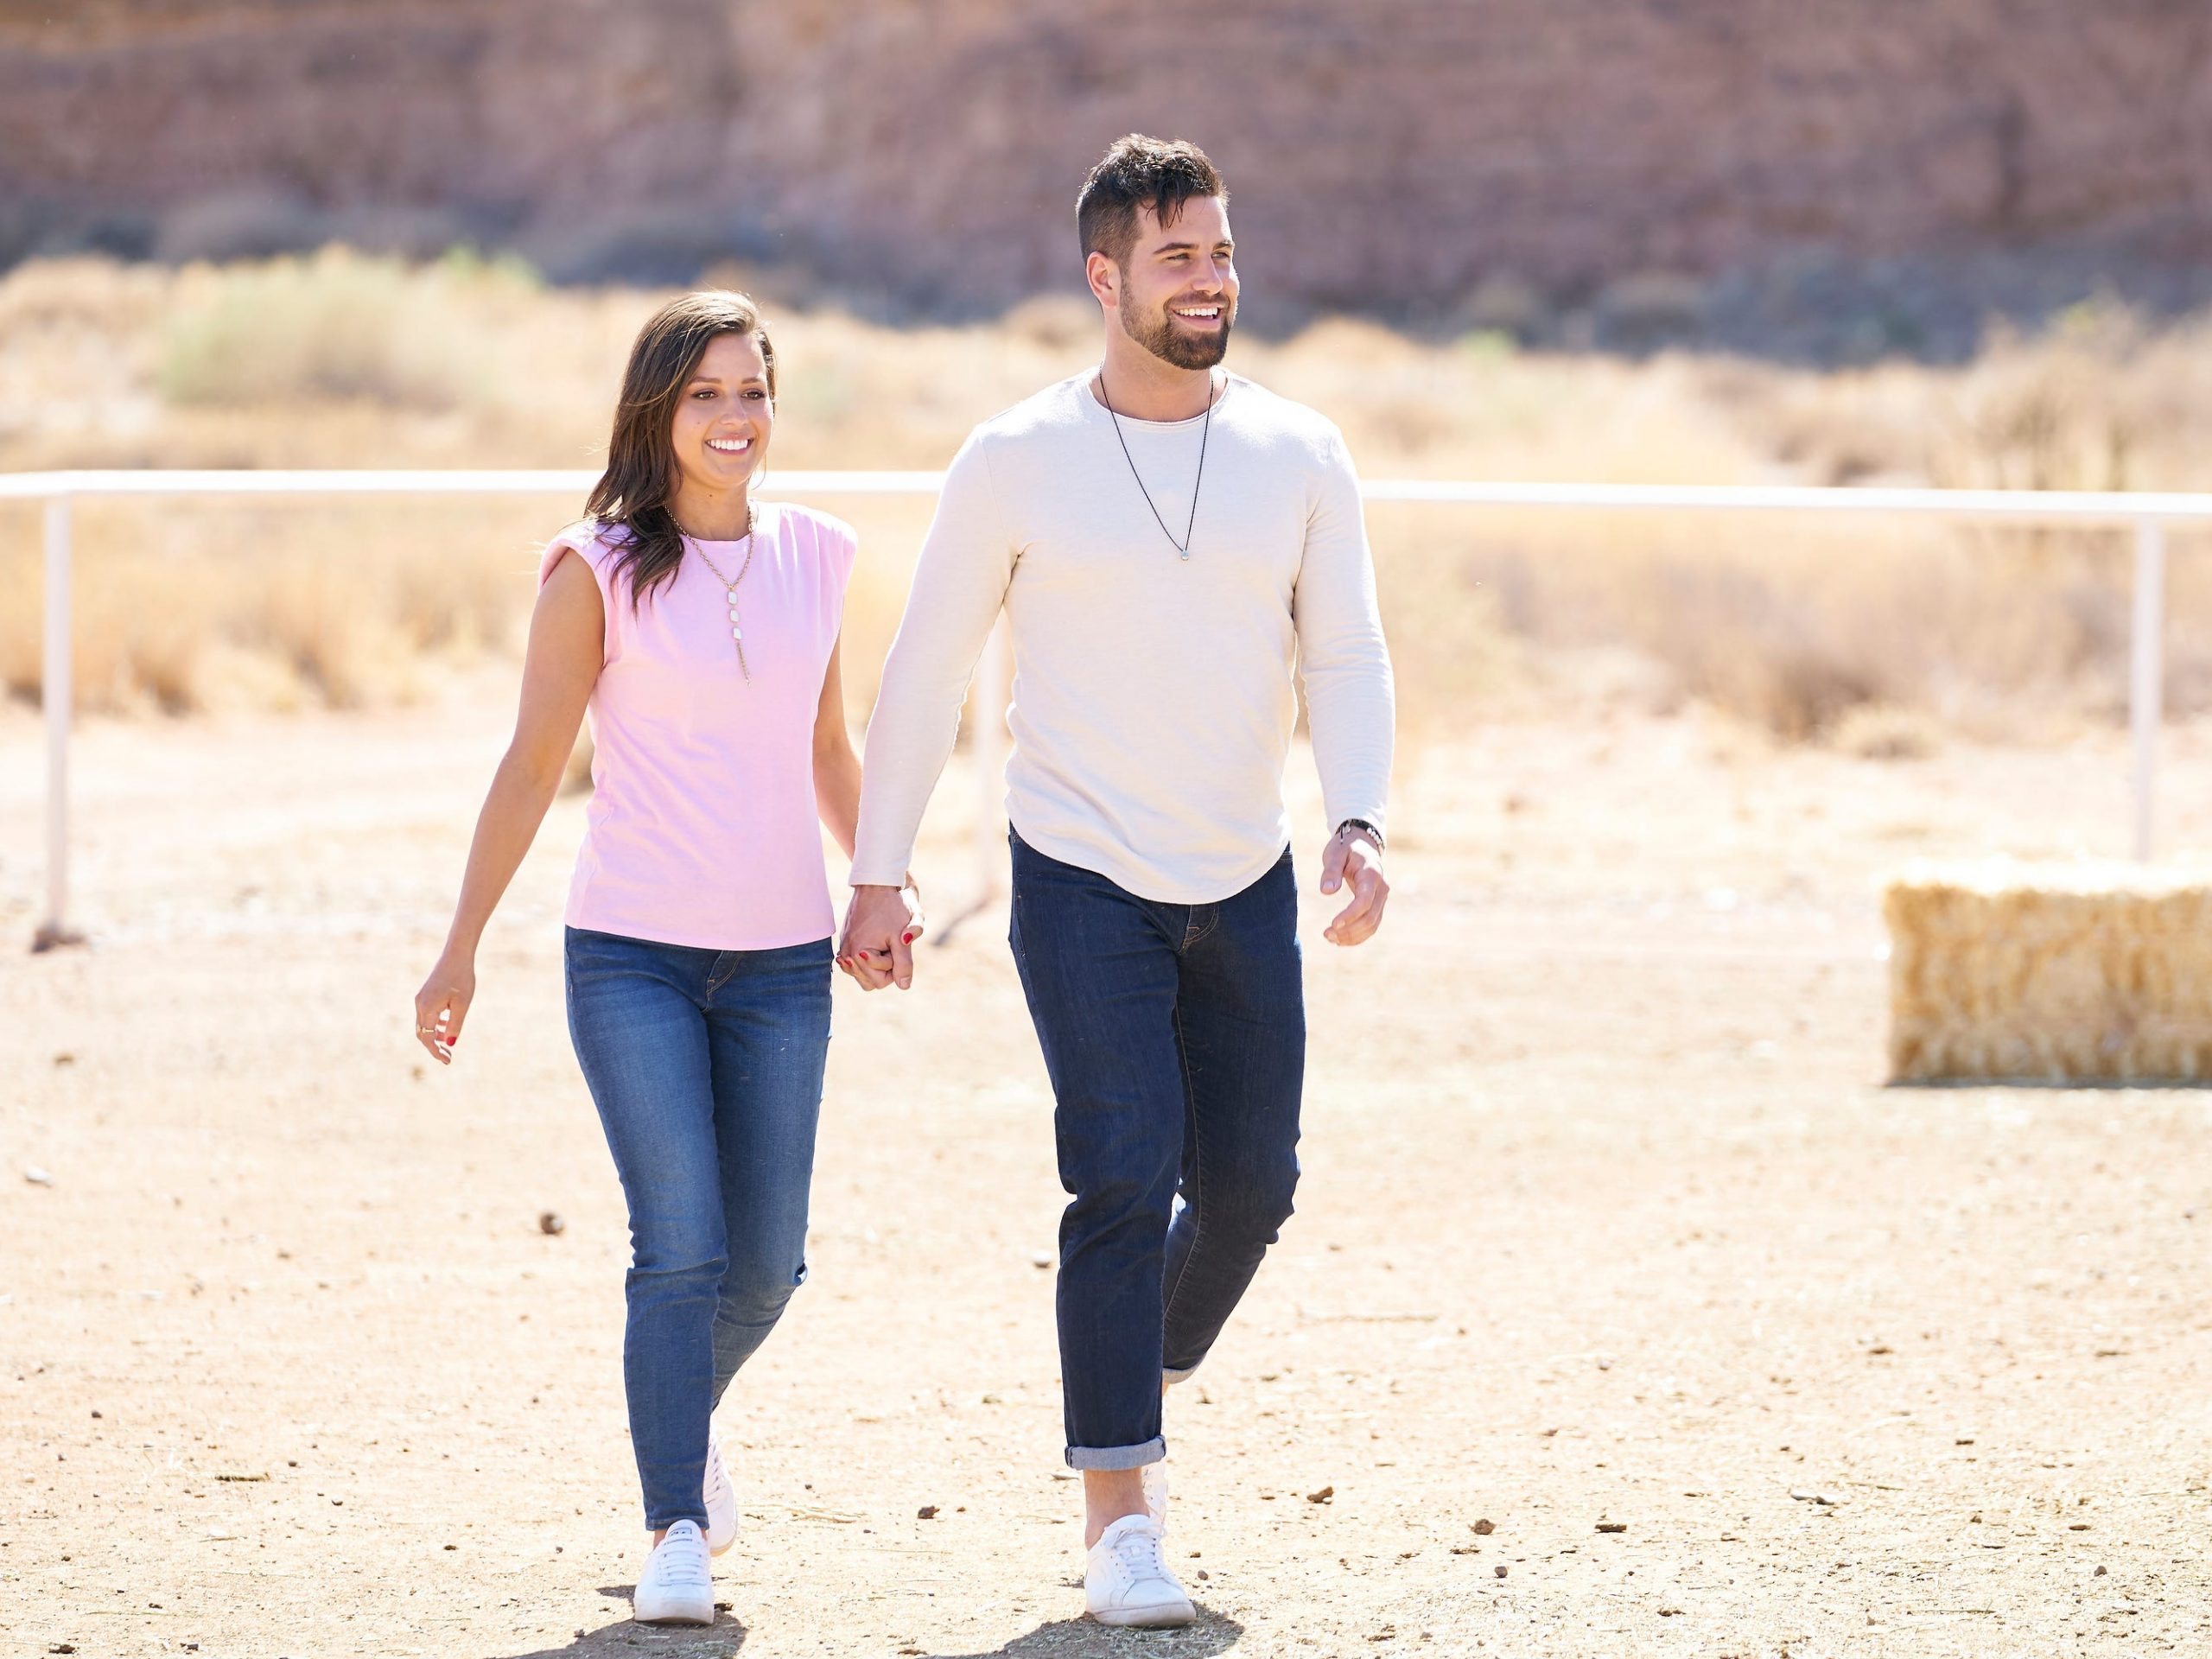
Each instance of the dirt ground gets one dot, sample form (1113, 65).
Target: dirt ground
(1607, 1223)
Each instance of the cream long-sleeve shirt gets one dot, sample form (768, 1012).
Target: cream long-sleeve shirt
(1153, 695)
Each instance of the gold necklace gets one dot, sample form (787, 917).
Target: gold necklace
(736, 623)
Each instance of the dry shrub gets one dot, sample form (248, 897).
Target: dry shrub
(275, 604)
(136, 644)
(337, 327)
(1792, 624)
(1876, 731)
(74, 338)
(1449, 645)
(1795, 625)
(2066, 411)
(2099, 401)
(1057, 322)
(311, 617)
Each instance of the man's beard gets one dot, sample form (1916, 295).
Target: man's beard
(1158, 335)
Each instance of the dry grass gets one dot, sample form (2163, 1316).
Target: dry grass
(220, 606)
(342, 360)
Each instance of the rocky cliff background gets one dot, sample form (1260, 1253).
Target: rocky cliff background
(1842, 178)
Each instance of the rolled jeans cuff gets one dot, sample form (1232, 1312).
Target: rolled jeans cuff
(1171, 1376)
(1117, 1457)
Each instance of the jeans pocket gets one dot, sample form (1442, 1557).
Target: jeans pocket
(590, 959)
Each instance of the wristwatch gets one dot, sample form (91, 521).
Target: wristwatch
(1362, 823)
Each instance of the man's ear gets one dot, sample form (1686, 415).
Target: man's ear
(1105, 277)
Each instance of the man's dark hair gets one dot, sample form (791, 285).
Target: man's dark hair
(1140, 172)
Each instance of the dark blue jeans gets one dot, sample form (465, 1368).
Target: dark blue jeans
(706, 1067)
(1175, 1039)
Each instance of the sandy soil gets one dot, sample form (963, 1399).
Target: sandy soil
(1606, 1223)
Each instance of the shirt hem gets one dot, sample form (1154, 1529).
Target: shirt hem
(689, 940)
(1154, 886)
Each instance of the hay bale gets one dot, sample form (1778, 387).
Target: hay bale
(2008, 972)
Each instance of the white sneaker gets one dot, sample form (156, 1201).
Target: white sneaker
(675, 1586)
(722, 1502)
(1155, 1494)
(1126, 1582)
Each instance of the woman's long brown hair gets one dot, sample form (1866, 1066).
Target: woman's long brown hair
(634, 491)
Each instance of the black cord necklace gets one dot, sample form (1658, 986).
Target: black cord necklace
(1182, 546)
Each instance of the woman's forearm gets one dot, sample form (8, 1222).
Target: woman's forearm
(514, 807)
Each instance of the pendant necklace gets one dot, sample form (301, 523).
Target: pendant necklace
(1182, 546)
(736, 624)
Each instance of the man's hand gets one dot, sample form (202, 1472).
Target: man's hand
(877, 948)
(1352, 857)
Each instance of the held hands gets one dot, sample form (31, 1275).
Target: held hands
(442, 1004)
(1353, 858)
(881, 924)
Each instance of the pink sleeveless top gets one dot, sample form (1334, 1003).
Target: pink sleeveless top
(702, 829)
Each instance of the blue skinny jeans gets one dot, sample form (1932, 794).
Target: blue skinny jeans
(706, 1067)
(1175, 1039)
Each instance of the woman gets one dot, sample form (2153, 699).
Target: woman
(702, 630)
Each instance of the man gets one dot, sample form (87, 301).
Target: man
(1175, 549)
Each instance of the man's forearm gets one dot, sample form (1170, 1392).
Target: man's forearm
(1351, 701)
(907, 743)
(1353, 720)
(960, 582)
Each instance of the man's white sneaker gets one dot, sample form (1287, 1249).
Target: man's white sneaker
(1126, 1582)
(674, 1588)
(1155, 1494)
(722, 1502)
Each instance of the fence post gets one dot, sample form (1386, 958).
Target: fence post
(54, 693)
(2146, 671)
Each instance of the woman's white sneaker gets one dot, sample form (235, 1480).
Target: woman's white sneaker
(675, 1586)
(722, 1502)
(1125, 1581)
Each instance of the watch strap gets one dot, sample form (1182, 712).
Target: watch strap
(1362, 823)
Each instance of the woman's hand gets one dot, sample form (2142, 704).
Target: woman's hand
(442, 1004)
(877, 948)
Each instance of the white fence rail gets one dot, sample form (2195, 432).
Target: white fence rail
(2147, 515)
